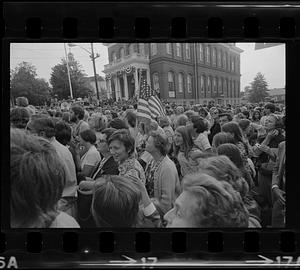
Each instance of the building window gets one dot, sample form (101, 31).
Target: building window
(122, 53)
(219, 58)
(171, 84)
(178, 49)
(208, 84)
(232, 64)
(201, 52)
(169, 48)
(131, 49)
(225, 87)
(207, 54)
(153, 49)
(214, 57)
(215, 85)
(202, 85)
(233, 88)
(228, 63)
(180, 82)
(114, 57)
(142, 48)
(189, 83)
(155, 81)
(187, 51)
(219, 80)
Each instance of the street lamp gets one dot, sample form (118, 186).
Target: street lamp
(93, 57)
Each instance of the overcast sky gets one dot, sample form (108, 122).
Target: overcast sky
(44, 56)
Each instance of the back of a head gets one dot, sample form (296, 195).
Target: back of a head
(63, 132)
(221, 138)
(160, 142)
(223, 169)
(79, 111)
(233, 128)
(66, 117)
(22, 102)
(244, 124)
(43, 124)
(88, 135)
(108, 132)
(131, 117)
(232, 151)
(34, 168)
(115, 202)
(117, 123)
(271, 107)
(19, 117)
(181, 121)
(164, 122)
(199, 123)
(219, 205)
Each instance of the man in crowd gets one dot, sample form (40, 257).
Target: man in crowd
(45, 128)
(77, 115)
(224, 118)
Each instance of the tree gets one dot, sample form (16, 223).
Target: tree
(60, 82)
(24, 82)
(259, 88)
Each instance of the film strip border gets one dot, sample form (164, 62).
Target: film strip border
(180, 242)
(150, 21)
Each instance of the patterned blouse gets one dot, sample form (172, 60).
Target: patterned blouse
(132, 168)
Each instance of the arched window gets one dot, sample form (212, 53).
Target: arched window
(153, 48)
(187, 51)
(169, 48)
(219, 58)
(180, 82)
(207, 54)
(142, 48)
(178, 50)
(214, 85)
(114, 57)
(214, 57)
(171, 84)
(202, 84)
(155, 81)
(122, 53)
(201, 52)
(189, 83)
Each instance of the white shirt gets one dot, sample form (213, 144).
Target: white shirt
(91, 157)
(202, 142)
(70, 189)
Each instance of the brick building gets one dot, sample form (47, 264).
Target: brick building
(179, 72)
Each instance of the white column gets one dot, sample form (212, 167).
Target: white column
(116, 88)
(125, 85)
(148, 77)
(136, 82)
(119, 87)
(109, 89)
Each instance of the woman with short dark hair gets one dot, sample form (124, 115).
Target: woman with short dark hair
(121, 146)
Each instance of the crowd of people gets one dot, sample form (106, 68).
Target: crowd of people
(102, 166)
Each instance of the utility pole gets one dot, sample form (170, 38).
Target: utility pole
(93, 57)
(68, 69)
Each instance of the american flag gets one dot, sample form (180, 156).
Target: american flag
(149, 105)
